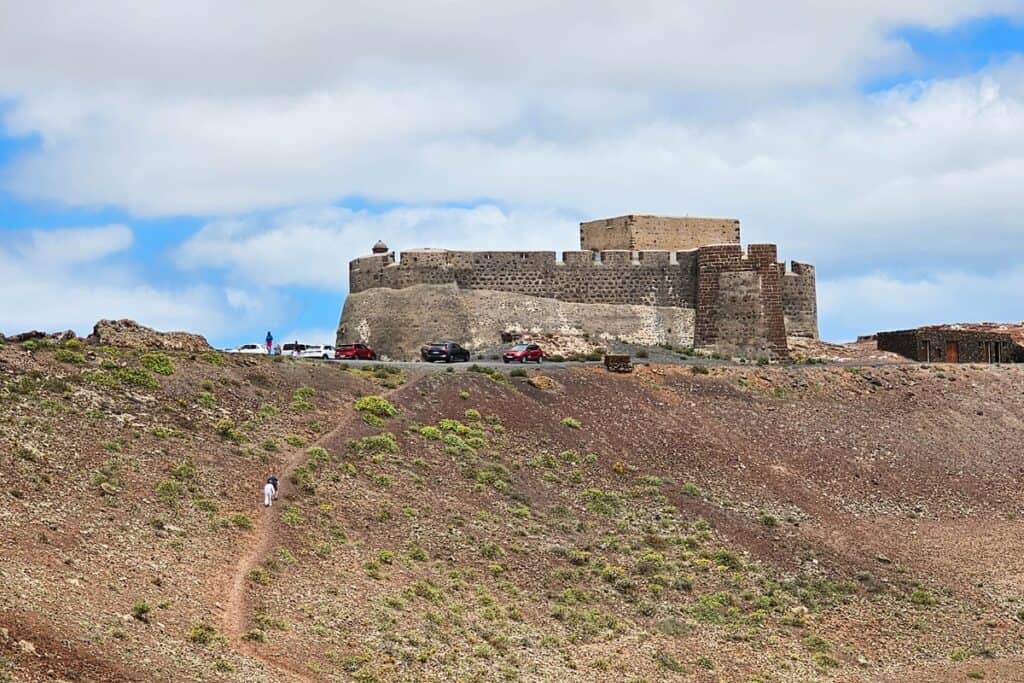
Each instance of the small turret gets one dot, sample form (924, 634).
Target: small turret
(380, 247)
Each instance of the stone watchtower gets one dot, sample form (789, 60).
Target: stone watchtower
(668, 233)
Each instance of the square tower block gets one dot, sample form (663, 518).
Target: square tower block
(673, 233)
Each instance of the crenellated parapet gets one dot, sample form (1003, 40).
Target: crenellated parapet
(655, 278)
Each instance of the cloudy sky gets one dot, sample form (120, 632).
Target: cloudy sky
(214, 166)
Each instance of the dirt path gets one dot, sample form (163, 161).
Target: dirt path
(236, 611)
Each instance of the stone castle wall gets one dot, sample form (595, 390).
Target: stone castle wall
(397, 322)
(800, 301)
(652, 278)
(658, 232)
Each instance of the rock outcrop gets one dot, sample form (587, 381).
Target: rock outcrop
(130, 334)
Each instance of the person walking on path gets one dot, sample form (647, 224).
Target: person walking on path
(268, 494)
(272, 480)
(270, 342)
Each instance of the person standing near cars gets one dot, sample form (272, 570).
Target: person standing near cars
(270, 342)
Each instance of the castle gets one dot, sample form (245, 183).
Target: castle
(680, 281)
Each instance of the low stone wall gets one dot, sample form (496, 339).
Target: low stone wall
(397, 322)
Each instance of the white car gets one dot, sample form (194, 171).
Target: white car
(249, 348)
(317, 351)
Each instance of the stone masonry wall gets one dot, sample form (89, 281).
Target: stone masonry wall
(800, 300)
(658, 232)
(929, 345)
(396, 322)
(652, 278)
(739, 301)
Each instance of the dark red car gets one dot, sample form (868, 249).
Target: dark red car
(354, 352)
(523, 353)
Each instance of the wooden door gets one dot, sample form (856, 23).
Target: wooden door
(952, 352)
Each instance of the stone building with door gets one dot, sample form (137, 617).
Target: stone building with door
(951, 345)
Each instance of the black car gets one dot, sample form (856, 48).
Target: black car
(447, 351)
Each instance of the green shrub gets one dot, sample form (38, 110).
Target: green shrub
(203, 633)
(206, 399)
(184, 471)
(378, 443)
(69, 356)
(699, 369)
(169, 490)
(518, 372)
(922, 597)
(295, 440)
(269, 445)
(601, 502)
(205, 504)
(136, 377)
(473, 415)
(430, 432)
(140, 610)
(160, 363)
(496, 375)
(213, 358)
(571, 422)
(464, 395)
(375, 405)
(300, 399)
(373, 420)
(690, 489)
(292, 516)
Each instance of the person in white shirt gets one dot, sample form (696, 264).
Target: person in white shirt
(268, 494)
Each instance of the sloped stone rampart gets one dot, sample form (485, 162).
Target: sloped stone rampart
(397, 322)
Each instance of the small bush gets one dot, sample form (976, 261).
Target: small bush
(601, 502)
(518, 372)
(690, 489)
(300, 399)
(378, 443)
(213, 358)
(473, 415)
(464, 395)
(295, 440)
(160, 363)
(169, 490)
(69, 356)
(203, 633)
(140, 610)
(376, 405)
(430, 432)
(136, 377)
(699, 369)
(571, 422)
(922, 597)
(206, 399)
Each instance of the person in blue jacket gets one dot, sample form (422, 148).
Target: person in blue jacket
(270, 342)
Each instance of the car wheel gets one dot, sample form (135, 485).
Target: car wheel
(540, 359)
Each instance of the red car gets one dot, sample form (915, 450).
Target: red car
(523, 353)
(354, 352)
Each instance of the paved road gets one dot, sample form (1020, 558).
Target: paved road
(661, 360)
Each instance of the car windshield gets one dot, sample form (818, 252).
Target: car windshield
(519, 347)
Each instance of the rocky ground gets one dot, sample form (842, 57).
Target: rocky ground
(757, 523)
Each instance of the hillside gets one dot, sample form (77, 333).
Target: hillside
(802, 523)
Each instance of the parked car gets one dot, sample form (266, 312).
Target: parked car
(354, 352)
(293, 349)
(447, 351)
(324, 351)
(248, 348)
(523, 353)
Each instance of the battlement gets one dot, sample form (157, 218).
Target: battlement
(652, 277)
(671, 233)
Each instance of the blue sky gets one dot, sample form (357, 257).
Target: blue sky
(145, 174)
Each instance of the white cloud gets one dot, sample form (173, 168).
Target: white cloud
(67, 246)
(865, 304)
(312, 247)
(62, 279)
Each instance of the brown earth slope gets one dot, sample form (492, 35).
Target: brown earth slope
(748, 524)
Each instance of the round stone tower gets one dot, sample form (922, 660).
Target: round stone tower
(380, 247)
